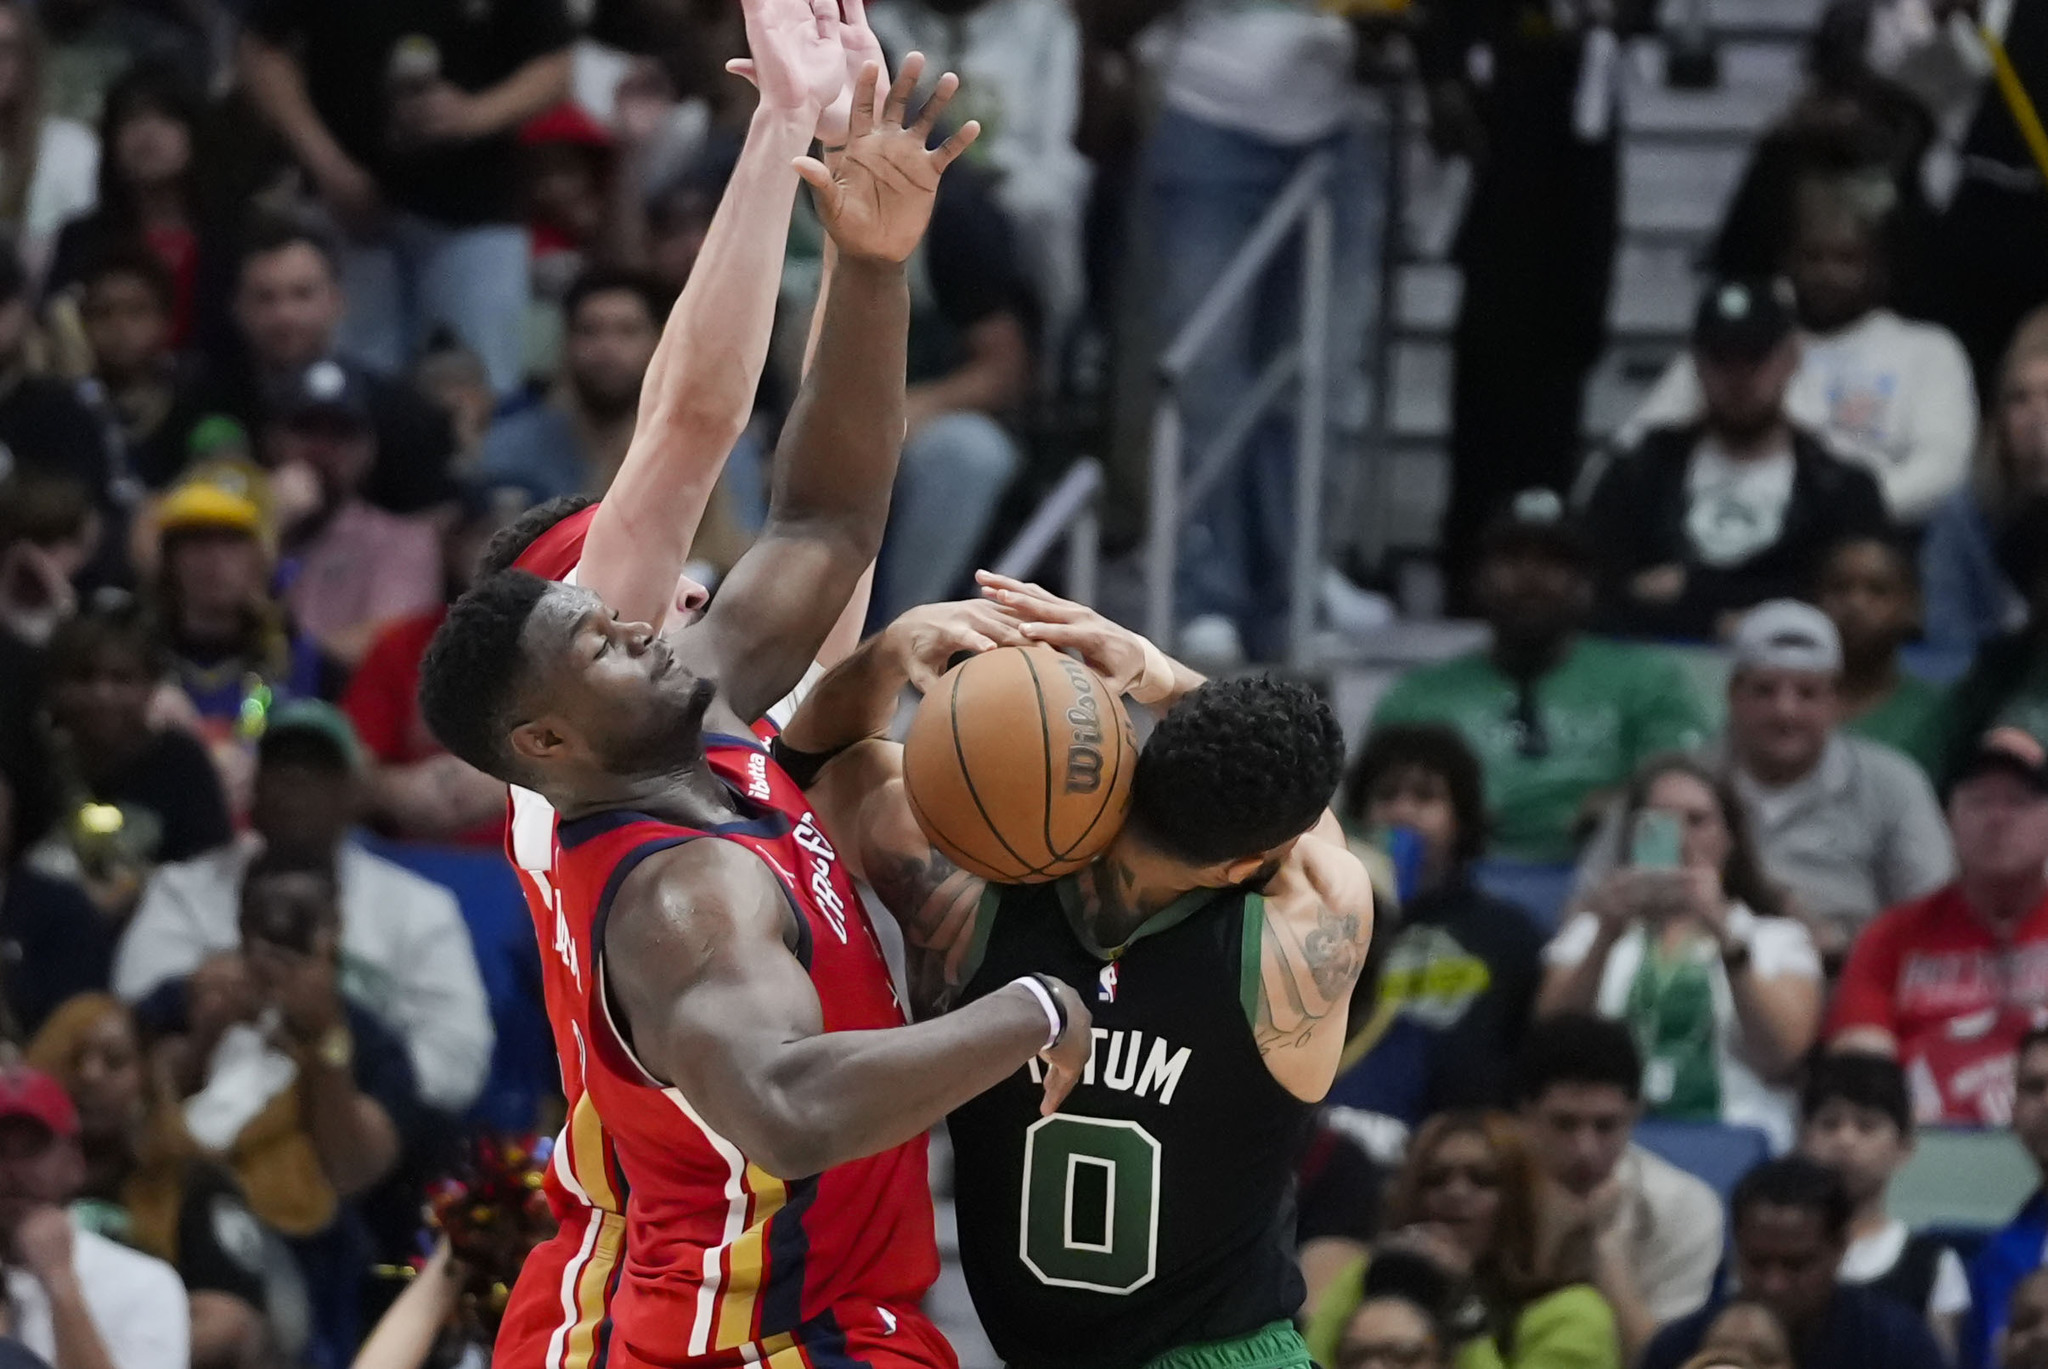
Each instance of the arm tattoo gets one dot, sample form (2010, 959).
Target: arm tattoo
(1306, 975)
(937, 905)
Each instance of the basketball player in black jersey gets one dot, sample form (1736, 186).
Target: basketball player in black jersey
(1149, 1221)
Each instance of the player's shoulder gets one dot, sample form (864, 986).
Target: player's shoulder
(1320, 880)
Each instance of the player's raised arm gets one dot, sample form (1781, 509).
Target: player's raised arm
(700, 386)
(837, 461)
(696, 953)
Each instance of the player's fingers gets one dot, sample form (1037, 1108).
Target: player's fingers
(1059, 1082)
(743, 67)
(949, 151)
(949, 86)
(815, 174)
(853, 14)
(1038, 606)
(862, 119)
(825, 14)
(898, 104)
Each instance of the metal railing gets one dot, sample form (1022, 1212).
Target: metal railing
(1304, 205)
(1068, 513)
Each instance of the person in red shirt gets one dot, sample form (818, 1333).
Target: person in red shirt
(1949, 984)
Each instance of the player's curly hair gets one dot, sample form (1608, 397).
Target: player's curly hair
(1237, 768)
(510, 542)
(473, 670)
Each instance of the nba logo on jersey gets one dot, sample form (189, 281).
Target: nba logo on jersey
(1105, 988)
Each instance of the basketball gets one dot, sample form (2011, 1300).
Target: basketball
(1019, 763)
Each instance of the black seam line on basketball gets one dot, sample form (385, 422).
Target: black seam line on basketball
(925, 821)
(1109, 789)
(967, 777)
(1045, 740)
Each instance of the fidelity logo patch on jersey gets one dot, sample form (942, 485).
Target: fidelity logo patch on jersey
(1105, 984)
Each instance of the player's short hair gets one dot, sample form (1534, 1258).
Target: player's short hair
(654, 294)
(474, 668)
(1796, 1182)
(510, 542)
(1236, 768)
(1578, 1048)
(1861, 1079)
(1437, 750)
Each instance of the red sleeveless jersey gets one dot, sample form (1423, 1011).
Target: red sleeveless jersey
(674, 1249)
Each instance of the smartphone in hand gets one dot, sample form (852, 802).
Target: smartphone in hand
(1657, 842)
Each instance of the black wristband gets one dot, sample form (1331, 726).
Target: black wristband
(1052, 989)
(802, 766)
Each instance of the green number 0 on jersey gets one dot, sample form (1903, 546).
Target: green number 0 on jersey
(1116, 1250)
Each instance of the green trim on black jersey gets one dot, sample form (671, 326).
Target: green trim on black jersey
(1165, 920)
(1251, 957)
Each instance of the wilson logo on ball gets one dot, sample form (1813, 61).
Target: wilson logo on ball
(1084, 743)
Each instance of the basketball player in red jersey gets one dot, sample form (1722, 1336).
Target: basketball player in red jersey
(742, 1177)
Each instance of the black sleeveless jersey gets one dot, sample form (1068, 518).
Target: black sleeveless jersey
(1156, 1208)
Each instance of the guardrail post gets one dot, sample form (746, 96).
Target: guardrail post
(1162, 541)
(1312, 425)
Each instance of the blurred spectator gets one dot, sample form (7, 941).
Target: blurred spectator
(1870, 590)
(74, 1297)
(453, 379)
(1459, 969)
(405, 949)
(2005, 1264)
(351, 567)
(130, 795)
(50, 534)
(1684, 942)
(2025, 1343)
(1528, 92)
(1656, 1229)
(680, 214)
(232, 650)
(1470, 1208)
(1746, 1334)
(45, 426)
(1559, 720)
(1848, 125)
(574, 441)
(1791, 1227)
(289, 305)
(1392, 1332)
(405, 121)
(128, 297)
(51, 163)
(53, 942)
(1887, 394)
(1944, 984)
(1855, 1116)
(1970, 600)
(584, 202)
(153, 195)
(1843, 827)
(147, 1186)
(416, 789)
(1698, 523)
(2007, 684)
(1019, 63)
(94, 43)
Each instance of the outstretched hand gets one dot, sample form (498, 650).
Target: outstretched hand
(876, 201)
(1128, 664)
(797, 62)
(857, 46)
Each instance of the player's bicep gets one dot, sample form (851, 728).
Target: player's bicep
(774, 611)
(1317, 932)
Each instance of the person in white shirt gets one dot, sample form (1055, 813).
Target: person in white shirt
(1891, 395)
(78, 1299)
(1856, 1117)
(406, 952)
(1657, 1230)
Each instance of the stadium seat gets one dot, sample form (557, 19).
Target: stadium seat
(1541, 889)
(1720, 1155)
(1963, 1178)
(523, 1069)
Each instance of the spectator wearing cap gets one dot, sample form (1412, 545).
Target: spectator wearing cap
(406, 120)
(405, 950)
(1557, 718)
(130, 795)
(1844, 827)
(74, 1297)
(1870, 590)
(1697, 523)
(126, 301)
(1685, 942)
(288, 306)
(416, 789)
(2013, 1262)
(1944, 984)
(1891, 395)
(1790, 1221)
(350, 567)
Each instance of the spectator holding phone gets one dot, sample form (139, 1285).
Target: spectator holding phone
(1685, 942)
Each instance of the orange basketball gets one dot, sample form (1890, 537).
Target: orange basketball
(1019, 765)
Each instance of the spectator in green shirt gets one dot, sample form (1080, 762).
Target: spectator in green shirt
(1871, 589)
(1558, 719)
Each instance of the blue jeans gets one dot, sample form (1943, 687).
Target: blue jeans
(423, 275)
(953, 475)
(1205, 188)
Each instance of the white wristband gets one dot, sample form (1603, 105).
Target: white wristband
(1054, 1027)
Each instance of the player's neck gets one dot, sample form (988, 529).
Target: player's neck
(1127, 886)
(689, 797)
